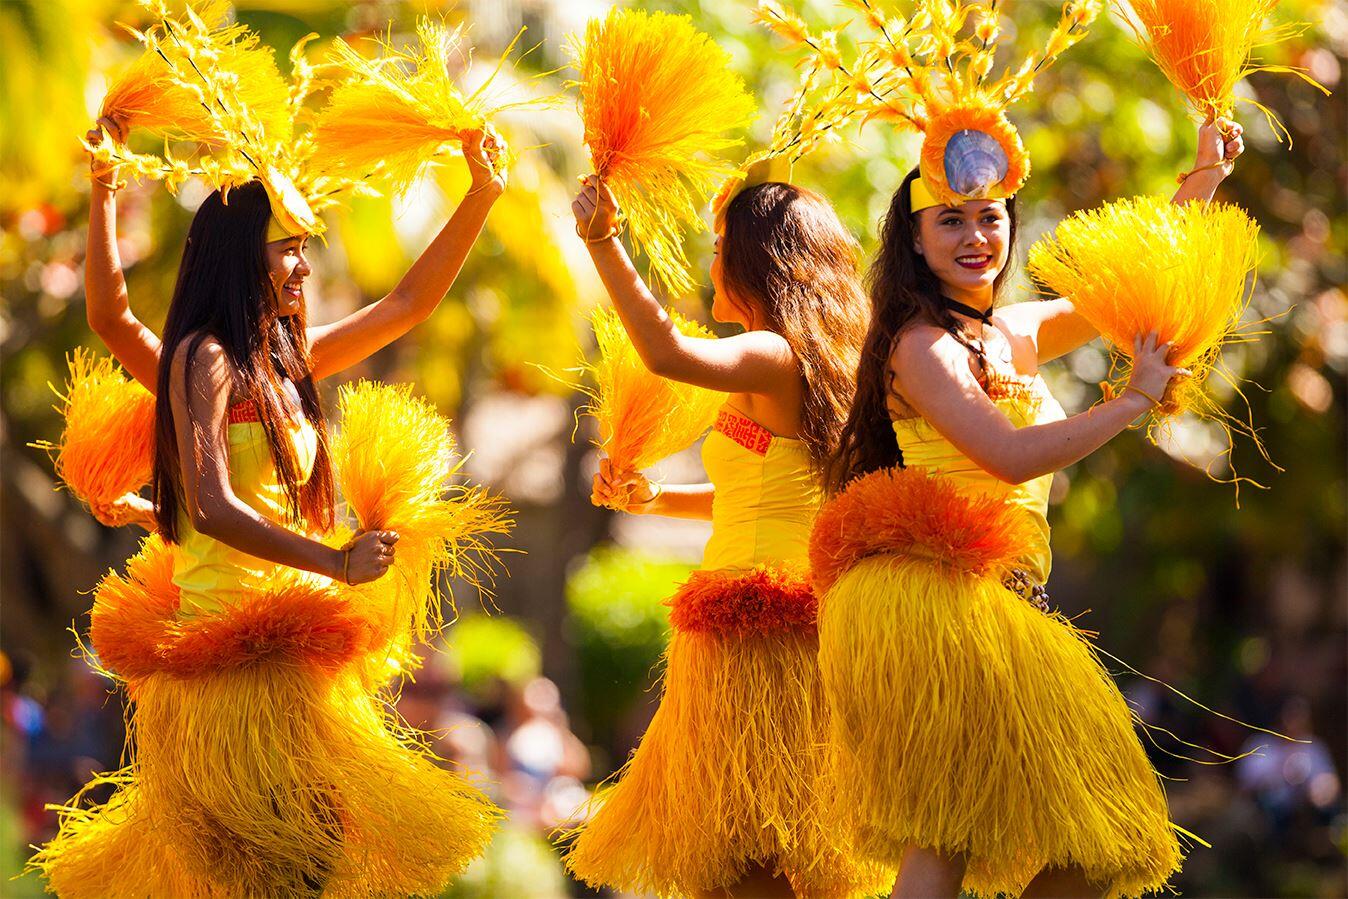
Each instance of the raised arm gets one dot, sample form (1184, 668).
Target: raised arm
(200, 401)
(1054, 325)
(933, 375)
(752, 362)
(106, 302)
(349, 340)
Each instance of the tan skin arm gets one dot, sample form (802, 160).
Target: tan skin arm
(1054, 325)
(757, 362)
(107, 305)
(350, 340)
(200, 414)
(632, 492)
(333, 347)
(933, 375)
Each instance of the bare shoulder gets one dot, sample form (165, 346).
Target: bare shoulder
(208, 368)
(921, 344)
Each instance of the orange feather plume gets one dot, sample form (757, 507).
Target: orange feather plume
(1205, 48)
(659, 100)
(107, 447)
(643, 417)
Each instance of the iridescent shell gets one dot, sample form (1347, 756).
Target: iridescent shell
(974, 163)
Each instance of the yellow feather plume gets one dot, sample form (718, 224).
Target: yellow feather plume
(395, 462)
(643, 417)
(659, 101)
(1206, 48)
(392, 114)
(1141, 265)
(107, 447)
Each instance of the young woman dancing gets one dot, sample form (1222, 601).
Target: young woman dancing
(264, 761)
(979, 742)
(726, 793)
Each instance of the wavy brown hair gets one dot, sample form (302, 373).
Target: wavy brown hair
(785, 250)
(903, 290)
(224, 292)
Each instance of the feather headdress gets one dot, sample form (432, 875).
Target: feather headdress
(1206, 48)
(930, 72)
(659, 101)
(214, 84)
(390, 114)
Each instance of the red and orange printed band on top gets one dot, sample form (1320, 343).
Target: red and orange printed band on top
(749, 434)
(243, 413)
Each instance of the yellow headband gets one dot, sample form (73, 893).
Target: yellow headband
(291, 215)
(920, 196)
(771, 169)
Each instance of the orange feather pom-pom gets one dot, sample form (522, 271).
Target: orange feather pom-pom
(659, 100)
(643, 417)
(107, 447)
(1205, 48)
(911, 511)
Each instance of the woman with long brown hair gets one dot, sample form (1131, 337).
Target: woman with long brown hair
(980, 743)
(725, 793)
(266, 760)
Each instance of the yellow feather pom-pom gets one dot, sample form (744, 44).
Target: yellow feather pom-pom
(107, 448)
(148, 97)
(1205, 48)
(643, 417)
(395, 461)
(1136, 266)
(659, 101)
(392, 114)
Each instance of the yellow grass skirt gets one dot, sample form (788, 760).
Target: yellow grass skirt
(264, 757)
(966, 719)
(731, 772)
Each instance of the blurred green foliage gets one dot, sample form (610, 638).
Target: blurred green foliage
(619, 624)
(487, 649)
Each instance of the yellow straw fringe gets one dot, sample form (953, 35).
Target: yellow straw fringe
(967, 720)
(352, 803)
(280, 768)
(659, 101)
(643, 417)
(732, 771)
(107, 446)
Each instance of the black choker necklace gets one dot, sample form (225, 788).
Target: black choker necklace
(956, 306)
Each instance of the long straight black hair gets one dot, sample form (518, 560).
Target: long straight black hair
(224, 292)
(903, 290)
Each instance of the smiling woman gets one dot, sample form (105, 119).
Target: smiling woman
(265, 761)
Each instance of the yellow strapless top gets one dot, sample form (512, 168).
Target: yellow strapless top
(766, 496)
(1025, 403)
(209, 574)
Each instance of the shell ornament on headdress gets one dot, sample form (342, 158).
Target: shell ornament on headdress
(931, 72)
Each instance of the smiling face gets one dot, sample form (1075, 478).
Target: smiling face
(287, 266)
(966, 247)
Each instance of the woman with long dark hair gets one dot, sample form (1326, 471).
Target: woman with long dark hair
(266, 760)
(978, 741)
(725, 794)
